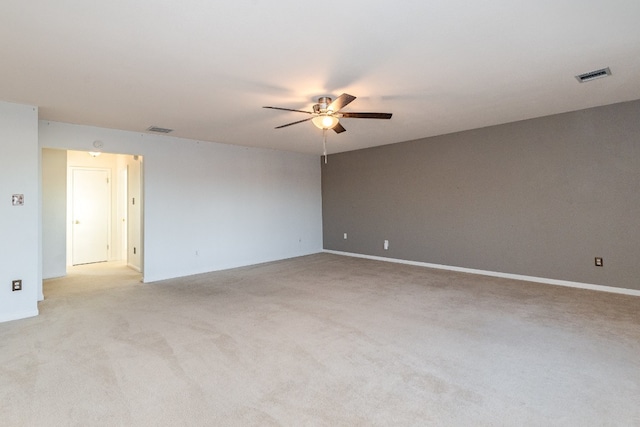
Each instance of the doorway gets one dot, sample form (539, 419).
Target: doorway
(125, 173)
(103, 189)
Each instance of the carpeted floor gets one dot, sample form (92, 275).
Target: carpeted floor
(320, 340)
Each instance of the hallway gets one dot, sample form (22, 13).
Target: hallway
(90, 278)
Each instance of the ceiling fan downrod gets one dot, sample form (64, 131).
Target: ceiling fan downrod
(324, 145)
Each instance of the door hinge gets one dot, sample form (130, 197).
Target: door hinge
(107, 247)
(107, 180)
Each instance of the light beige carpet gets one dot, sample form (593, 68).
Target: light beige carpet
(320, 340)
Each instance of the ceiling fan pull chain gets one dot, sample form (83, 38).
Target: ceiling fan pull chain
(324, 144)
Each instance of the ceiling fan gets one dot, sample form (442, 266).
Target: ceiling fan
(326, 113)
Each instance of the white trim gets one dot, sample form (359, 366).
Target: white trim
(18, 316)
(555, 282)
(134, 267)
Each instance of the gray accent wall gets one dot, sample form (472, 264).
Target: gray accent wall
(540, 197)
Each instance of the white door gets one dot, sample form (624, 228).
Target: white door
(91, 207)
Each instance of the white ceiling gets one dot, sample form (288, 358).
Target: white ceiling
(205, 68)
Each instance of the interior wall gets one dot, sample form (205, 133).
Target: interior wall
(212, 206)
(540, 197)
(134, 213)
(19, 228)
(54, 213)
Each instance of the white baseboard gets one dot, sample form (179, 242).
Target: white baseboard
(567, 283)
(18, 316)
(55, 277)
(133, 267)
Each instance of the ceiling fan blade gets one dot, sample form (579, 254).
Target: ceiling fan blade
(340, 102)
(294, 123)
(367, 115)
(339, 128)
(289, 109)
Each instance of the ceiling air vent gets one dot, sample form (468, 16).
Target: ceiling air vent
(592, 75)
(159, 129)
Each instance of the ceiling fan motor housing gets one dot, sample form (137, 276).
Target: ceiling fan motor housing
(322, 105)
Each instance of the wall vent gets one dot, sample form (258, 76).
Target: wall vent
(592, 75)
(159, 129)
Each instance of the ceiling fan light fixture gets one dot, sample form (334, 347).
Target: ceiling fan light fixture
(325, 121)
(327, 112)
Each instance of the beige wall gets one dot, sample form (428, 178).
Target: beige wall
(54, 213)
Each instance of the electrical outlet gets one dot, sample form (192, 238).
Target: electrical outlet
(345, 236)
(16, 285)
(599, 262)
(386, 245)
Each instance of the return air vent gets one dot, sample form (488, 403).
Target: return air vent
(159, 129)
(592, 75)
